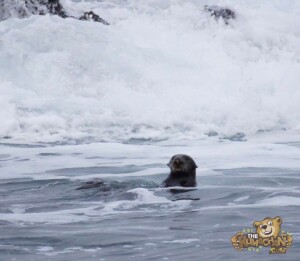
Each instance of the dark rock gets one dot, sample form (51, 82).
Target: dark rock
(239, 136)
(212, 134)
(91, 16)
(25, 8)
(55, 8)
(96, 183)
(220, 12)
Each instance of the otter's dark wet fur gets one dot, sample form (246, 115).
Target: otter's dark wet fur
(183, 172)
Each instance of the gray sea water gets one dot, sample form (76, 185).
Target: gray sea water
(44, 217)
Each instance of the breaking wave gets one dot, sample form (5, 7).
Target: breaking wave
(162, 69)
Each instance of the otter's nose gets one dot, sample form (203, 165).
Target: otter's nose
(177, 161)
(264, 226)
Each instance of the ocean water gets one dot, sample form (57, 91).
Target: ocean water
(81, 101)
(44, 217)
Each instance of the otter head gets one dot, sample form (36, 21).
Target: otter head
(268, 227)
(182, 163)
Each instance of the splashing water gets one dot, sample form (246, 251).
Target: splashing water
(163, 69)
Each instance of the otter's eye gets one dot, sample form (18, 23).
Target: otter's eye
(260, 226)
(270, 223)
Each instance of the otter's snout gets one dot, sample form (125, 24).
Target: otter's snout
(177, 163)
(264, 226)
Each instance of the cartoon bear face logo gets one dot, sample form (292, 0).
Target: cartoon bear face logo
(268, 227)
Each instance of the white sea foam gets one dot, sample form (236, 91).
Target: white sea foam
(241, 199)
(44, 249)
(209, 155)
(144, 197)
(280, 201)
(54, 217)
(162, 69)
(183, 241)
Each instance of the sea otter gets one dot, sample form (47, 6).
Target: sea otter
(25, 8)
(183, 172)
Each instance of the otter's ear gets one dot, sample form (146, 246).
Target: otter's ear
(196, 166)
(256, 224)
(278, 220)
